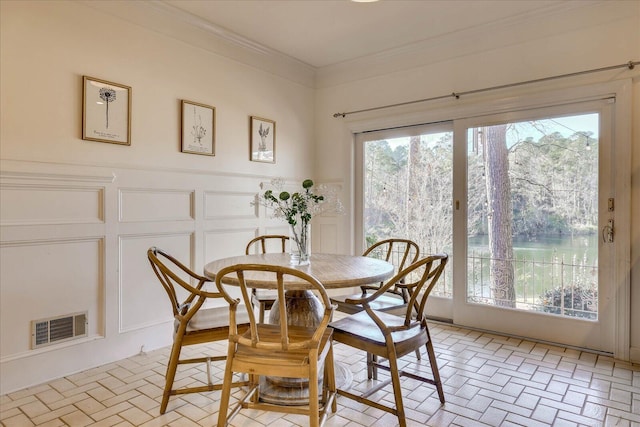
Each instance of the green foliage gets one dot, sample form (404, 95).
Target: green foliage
(578, 301)
(553, 186)
(408, 191)
(294, 206)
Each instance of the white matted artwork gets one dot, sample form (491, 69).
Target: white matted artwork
(198, 128)
(106, 111)
(262, 140)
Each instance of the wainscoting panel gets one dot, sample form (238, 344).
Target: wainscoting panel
(48, 204)
(143, 300)
(75, 239)
(324, 236)
(49, 278)
(279, 229)
(229, 205)
(222, 243)
(143, 205)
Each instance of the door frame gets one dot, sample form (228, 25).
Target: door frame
(526, 98)
(576, 332)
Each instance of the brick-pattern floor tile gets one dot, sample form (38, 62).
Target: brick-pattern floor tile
(489, 380)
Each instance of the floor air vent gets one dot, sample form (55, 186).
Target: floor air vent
(58, 329)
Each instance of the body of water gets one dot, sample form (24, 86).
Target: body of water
(544, 269)
(546, 247)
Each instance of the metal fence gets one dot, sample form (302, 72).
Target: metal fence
(561, 286)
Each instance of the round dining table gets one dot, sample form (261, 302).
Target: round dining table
(334, 271)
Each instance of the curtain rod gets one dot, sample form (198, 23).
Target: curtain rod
(630, 65)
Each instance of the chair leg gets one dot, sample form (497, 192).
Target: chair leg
(330, 379)
(369, 366)
(314, 409)
(372, 369)
(418, 355)
(172, 367)
(397, 390)
(254, 381)
(434, 370)
(226, 389)
(262, 312)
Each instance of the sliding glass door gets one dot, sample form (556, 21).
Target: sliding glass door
(521, 201)
(536, 219)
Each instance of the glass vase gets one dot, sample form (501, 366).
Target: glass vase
(300, 243)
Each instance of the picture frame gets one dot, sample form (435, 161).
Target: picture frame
(106, 111)
(198, 124)
(262, 147)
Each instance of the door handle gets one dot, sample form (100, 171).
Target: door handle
(607, 232)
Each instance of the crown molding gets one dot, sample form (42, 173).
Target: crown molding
(168, 20)
(213, 29)
(555, 19)
(543, 23)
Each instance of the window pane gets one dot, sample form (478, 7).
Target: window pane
(533, 215)
(408, 193)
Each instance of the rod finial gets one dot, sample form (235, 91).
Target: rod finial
(631, 65)
(336, 115)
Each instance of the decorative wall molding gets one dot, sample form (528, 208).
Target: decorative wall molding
(544, 22)
(38, 242)
(229, 205)
(221, 242)
(74, 265)
(142, 301)
(10, 169)
(153, 204)
(327, 236)
(560, 17)
(170, 21)
(32, 204)
(43, 176)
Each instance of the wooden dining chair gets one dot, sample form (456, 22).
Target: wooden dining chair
(192, 323)
(263, 298)
(386, 337)
(400, 253)
(281, 350)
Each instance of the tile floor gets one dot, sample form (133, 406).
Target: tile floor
(489, 380)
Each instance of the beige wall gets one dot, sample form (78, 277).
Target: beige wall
(48, 46)
(77, 216)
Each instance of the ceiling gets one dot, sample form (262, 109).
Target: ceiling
(322, 33)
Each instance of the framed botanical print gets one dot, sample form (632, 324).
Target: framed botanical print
(262, 140)
(106, 111)
(198, 128)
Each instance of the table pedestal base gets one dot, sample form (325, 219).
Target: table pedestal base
(283, 391)
(303, 309)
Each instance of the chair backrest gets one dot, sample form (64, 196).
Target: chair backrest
(262, 243)
(237, 274)
(419, 278)
(172, 274)
(399, 252)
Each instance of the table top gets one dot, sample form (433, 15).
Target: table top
(332, 270)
